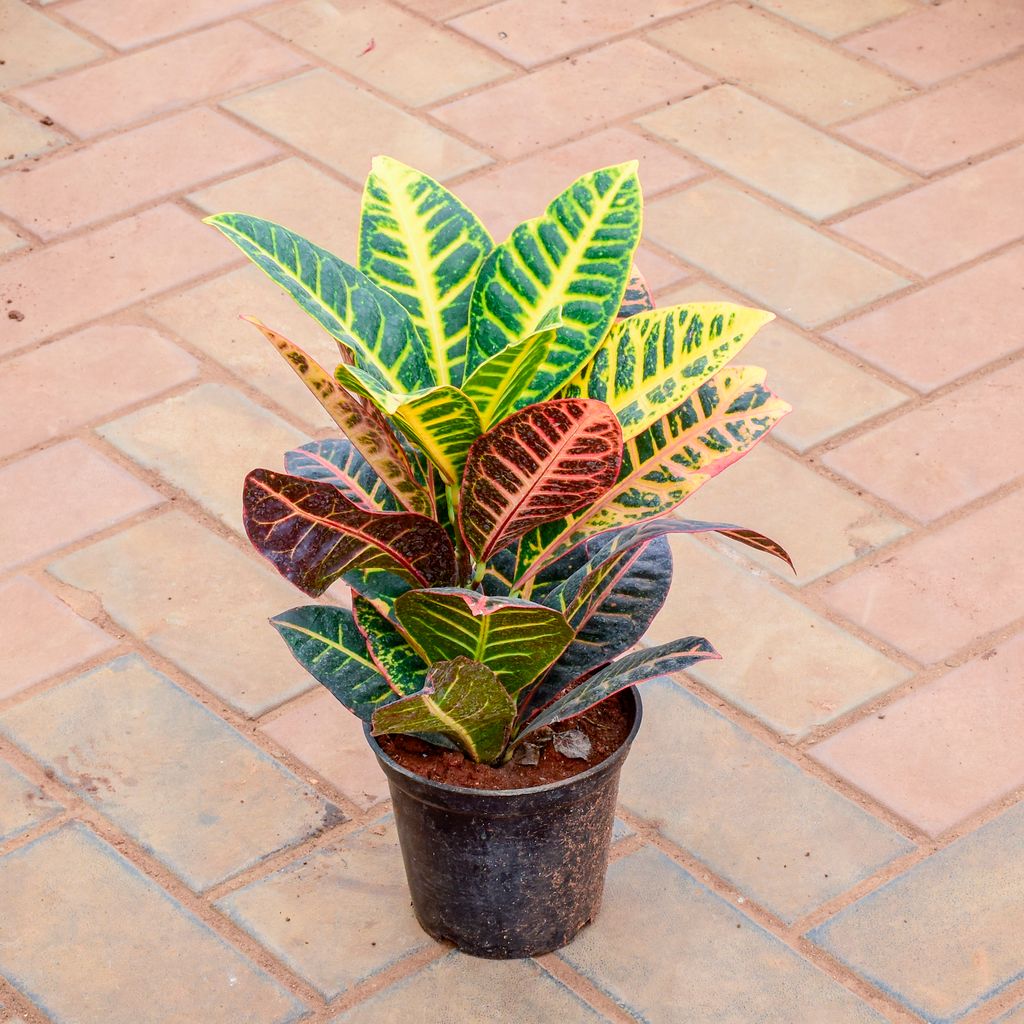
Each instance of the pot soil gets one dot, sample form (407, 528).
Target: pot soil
(508, 872)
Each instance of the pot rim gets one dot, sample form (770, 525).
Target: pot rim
(445, 787)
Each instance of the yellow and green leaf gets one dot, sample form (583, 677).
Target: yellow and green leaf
(441, 420)
(391, 652)
(506, 381)
(365, 428)
(516, 639)
(651, 363)
(421, 244)
(463, 701)
(364, 318)
(577, 255)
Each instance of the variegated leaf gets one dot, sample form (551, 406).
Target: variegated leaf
(507, 380)
(391, 652)
(364, 427)
(336, 461)
(343, 300)
(326, 642)
(515, 639)
(441, 420)
(627, 671)
(464, 701)
(541, 464)
(672, 458)
(577, 256)
(314, 535)
(650, 364)
(420, 243)
(637, 297)
(610, 613)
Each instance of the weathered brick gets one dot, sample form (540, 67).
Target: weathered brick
(205, 442)
(767, 641)
(210, 805)
(125, 171)
(738, 239)
(928, 462)
(162, 78)
(832, 18)
(663, 942)
(946, 935)
(326, 736)
(207, 316)
(762, 54)
(60, 495)
(22, 136)
(52, 390)
(337, 916)
(939, 593)
(504, 117)
(41, 636)
(783, 838)
(91, 940)
(22, 804)
(199, 602)
(390, 48)
(821, 525)
(303, 112)
(945, 751)
(777, 154)
(104, 271)
(36, 46)
(464, 988)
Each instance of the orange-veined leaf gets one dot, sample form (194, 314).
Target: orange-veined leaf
(637, 297)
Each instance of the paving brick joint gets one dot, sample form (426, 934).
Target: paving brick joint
(826, 826)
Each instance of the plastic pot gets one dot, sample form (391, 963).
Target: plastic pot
(507, 873)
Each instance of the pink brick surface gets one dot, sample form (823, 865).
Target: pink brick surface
(787, 838)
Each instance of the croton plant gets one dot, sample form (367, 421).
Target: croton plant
(518, 424)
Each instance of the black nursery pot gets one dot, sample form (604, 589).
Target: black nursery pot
(507, 873)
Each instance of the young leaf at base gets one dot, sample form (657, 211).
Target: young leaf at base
(463, 701)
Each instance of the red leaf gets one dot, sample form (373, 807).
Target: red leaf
(538, 465)
(313, 535)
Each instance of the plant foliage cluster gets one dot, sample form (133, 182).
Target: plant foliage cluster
(517, 422)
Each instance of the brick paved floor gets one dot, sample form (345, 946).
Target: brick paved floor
(825, 827)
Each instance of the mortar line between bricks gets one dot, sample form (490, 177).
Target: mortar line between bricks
(1009, 998)
(19, 1004)
(10, 99)
(557, 968)
(83, 33)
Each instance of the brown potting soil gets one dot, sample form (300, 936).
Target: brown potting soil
(607, 725)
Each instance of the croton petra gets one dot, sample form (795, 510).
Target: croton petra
(518, 422)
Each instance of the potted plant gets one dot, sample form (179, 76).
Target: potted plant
(517, 422)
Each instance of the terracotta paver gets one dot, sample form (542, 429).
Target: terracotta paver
(406, 51)
(60, 495)
(853, 166)
(301, 112)
(938, 129)
(928, 463)
(763, 54)
(945, 751)
(161, 78)
(738, 238)
(209, 806)
(201, 590)
(41, 636)
(787, 841)
(966, 899)
(946, 330)
(719, 964)
(329, 739)
(88, 375)
(937, 41)
(89, 926)
(966, 572)
(102, 272)
(949, 221)
(504, 117)
(117, 174)
(775, 152)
